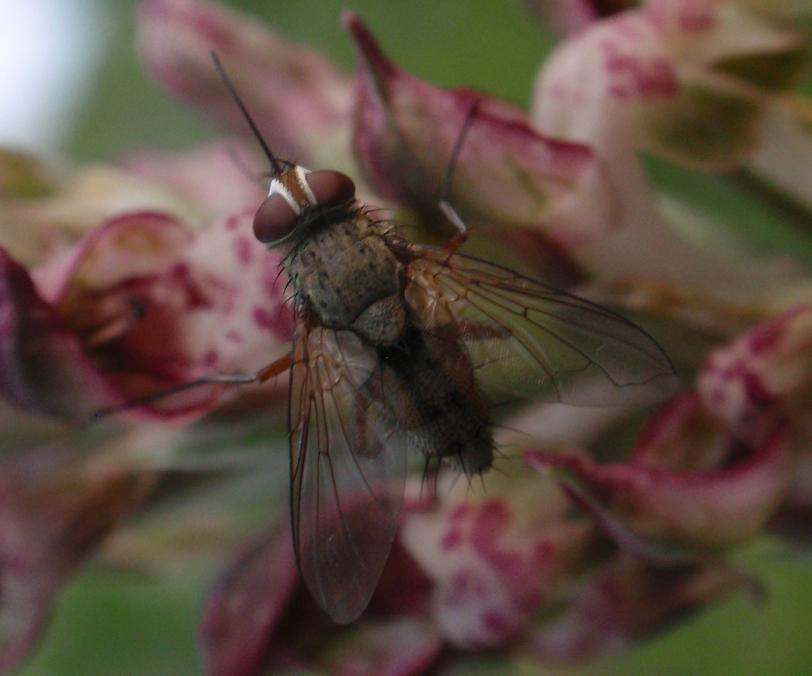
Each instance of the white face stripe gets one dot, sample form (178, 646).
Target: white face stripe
(301, 173)
(277, 188)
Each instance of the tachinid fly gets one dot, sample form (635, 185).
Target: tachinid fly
(402, 346)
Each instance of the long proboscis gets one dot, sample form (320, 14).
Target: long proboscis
(275, 164)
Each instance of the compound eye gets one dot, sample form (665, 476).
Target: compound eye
(331, 188)
(274, 220)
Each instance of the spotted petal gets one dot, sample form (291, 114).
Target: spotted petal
(494, 559)
(139, 305)
(762, 375)
(668, 492)
(685, 79)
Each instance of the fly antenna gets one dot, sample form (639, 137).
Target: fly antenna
(275, 164)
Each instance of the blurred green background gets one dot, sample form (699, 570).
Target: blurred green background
(111, 623)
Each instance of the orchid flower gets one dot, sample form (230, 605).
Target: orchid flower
(689, 80)
(87, 329)
(120, 282)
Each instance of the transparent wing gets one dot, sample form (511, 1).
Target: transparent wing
(526, 340)
(348, 465)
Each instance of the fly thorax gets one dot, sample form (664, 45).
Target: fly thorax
(351, 279)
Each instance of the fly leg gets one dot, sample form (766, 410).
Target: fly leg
(264, 374)
(462, 230)
(445, 203)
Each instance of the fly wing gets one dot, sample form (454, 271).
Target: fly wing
(527, 340)
(347, 467)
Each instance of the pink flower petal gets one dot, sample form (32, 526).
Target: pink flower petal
(492, 567)
(298, 99)
(678, 77)
(247, 604)
(212, 177)
(43, 366)
(139, 305)
(130, 299)
(248, 323)
(593, 83)
(51, 519)
(134, 244)
(763, 375)
(507, 174)
(695, 507)
(628, 602)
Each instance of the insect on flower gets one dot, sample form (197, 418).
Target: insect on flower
(401, 346)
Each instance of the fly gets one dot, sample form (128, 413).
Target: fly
(401, 346)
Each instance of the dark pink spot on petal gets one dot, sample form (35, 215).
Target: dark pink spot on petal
(757, 393)
(244, 250)
(460, 588)
(619, 92)
(507, 564)
(718, 395)
(496, 623)
(263, 318)
(194, 295)
(459, 513)
(451, 540)
(490, 521)
(766, 337)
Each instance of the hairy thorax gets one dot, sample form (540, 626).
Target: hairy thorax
(351, 280)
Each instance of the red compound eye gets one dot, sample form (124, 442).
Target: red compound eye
(274, 220)
(331, 188)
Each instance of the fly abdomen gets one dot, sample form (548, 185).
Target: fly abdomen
(441, 412)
